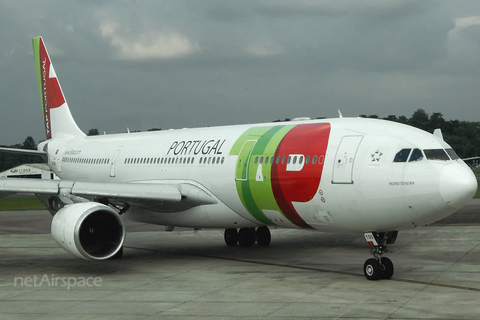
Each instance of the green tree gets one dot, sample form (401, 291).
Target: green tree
(419, 119)
(93, 132)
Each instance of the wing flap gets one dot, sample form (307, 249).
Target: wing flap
(14, 185)
(128, 191)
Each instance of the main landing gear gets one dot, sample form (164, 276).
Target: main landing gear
(246, 237)
(379, 267)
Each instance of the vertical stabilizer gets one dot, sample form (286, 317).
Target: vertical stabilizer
(58, 120)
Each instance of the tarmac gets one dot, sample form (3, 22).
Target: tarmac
(190, 274)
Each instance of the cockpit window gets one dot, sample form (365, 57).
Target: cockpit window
(453, 155)
(436, 154)
(402, 155)
(417, 155)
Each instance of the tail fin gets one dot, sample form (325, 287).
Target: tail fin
(58, 120)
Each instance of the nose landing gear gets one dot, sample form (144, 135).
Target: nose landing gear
(379, 267)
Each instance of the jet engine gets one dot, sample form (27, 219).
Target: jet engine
(89, 230)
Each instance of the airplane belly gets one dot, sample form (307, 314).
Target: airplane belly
(207, 216)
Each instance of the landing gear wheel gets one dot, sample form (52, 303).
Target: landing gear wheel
(263, 236)
(118, 255)
(246, 237)
(387, 268)
(231, 237)
(372, 269)
(379, 267)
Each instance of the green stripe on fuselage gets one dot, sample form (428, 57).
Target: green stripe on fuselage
(256, 193)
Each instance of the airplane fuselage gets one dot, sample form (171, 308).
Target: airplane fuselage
(335, 175)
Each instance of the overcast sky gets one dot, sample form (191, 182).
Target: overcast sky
(175, 64)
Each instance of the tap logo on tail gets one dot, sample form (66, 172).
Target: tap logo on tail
(50, 90)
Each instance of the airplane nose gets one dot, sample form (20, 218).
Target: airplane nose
(458, 184)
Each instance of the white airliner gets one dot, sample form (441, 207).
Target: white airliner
(354, 175)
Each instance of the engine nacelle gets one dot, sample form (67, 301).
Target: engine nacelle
(89, 230)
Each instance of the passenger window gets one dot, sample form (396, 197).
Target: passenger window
(294, 159)
(417, 155)
(283, 159)
(402, 155)
(300, 160)
(314, 160)
(289, 159)
(307, 160)
(256, 160)
(277, 160)
(266, 160)
(453, 155)
(261, 160)
(272, 159)
(436, 154)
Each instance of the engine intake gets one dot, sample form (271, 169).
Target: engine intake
(89, 230)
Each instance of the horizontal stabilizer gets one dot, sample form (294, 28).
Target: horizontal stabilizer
(24, 151)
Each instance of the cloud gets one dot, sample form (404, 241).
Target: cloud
(264, 49)
(463, 23)
(152, 44)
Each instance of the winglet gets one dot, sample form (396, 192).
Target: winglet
(340, 115)
(56, 115)
(438, 133)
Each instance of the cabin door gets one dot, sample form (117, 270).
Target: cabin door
(345, 158)
(113, 162)
(241, 172)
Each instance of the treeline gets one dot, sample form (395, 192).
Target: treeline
(11, 160)
(463, 136)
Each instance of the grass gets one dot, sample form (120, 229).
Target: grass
(21, 203)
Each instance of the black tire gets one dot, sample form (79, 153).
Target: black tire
(231, 237)
(263, 236)
(387, 268)
(246, 237)
(372, 269)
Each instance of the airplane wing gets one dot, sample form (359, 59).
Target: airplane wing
(473, 161)
(153, 195)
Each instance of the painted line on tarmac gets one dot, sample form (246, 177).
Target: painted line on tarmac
(309, 269)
